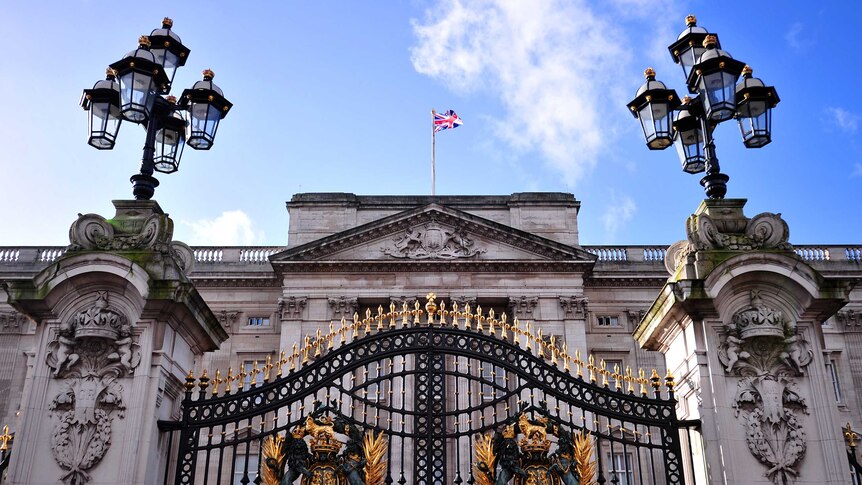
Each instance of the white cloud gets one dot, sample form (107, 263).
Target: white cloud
(797, 38)
(554, 65)
(231, 228)
(617, 213)
(846, 121)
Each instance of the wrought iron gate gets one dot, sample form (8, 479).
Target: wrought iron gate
(448, 391)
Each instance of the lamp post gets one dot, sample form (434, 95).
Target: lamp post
(137, 89)
(711, 75)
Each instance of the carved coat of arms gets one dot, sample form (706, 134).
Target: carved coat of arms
(432, 241)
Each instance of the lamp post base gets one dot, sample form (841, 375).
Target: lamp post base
(143, 186)
(715, 185)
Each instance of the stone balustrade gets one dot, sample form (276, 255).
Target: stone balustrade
(34, 258)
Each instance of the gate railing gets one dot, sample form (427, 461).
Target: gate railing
(850, 439)
(436, 383)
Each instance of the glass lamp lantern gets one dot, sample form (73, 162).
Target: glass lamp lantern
(139, 77)
(688, 48)
(168, 51)
(170, 141)
(103, 104)
(754, 103)
(207, 106)
(688, 138)
(653, 106)
(714, 77)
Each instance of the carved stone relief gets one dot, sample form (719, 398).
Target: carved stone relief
(574, 306)
(227, 318)
(291, 308)
(764, 349)
(523, 307)
(12, 322)
(851, 320)
(432, 241)
(92, 351)
(343, 307)
(635, 316)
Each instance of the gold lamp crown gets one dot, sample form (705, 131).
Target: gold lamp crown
(690, 20)
(144, 41)
(167, 23)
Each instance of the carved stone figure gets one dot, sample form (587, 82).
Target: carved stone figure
(93, 349)
(765, 349)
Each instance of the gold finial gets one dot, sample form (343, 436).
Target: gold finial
(343, 330)
(416, 313)
(668, 381)
(710, 40)
(203, 381)
(443, 313)
(617, 377)
(850, 436)
(655, 380)
(603, 371)
(110, 73)
(686, 99)
(392, 315)
(254, 372)
(591, 366)
(5, 438)
(167, 23)
(649, 73)
(379, 318)
(190, 380)
(217, 382)
(431, 307)
(267, 368)
(229, 378)
(690, 20)
(208, 74)
(144, 41)
(455, 314)
(405, 315)
(747, 71)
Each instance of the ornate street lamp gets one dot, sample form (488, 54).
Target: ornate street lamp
(144, 75)
(711, 73)
(103, 103)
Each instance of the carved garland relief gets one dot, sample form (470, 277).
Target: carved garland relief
(764, 349)
(92, 351)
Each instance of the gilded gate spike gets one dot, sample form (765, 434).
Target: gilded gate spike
(267, 368)
(280, 363)
(240, 379)
(617, 377)
(217, 382)
(515, 332)
(655, 380)
(455, 313)
(443, 313)
(468, 317)
(392, 315)
(228, 380)
(190, 380)
(591, 366)
(416, 313)
(603, 371)
(566, 358)
(528, 336)
(642, 381)
(540, 345)
(491, 323)
(305, 349)
(254, 371)
(379, 318)
(668, 381)
(343, 330)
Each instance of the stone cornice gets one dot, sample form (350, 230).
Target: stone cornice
(412, 266)
(626, 282)
(398, 223)
(216, 282)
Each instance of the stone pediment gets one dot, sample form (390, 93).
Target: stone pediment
(433, 233)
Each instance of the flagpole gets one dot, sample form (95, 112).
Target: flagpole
(433, 153)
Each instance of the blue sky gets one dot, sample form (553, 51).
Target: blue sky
(336, 96)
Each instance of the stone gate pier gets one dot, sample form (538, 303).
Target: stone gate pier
(739, 322)
(118, 325)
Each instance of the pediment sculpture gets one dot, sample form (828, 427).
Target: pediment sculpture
(432, 241)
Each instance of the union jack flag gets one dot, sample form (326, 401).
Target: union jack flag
(446, 120)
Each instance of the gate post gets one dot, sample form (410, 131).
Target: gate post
(119, 324)
(739, 324)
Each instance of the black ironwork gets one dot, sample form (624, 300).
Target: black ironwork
(132, 93)
(711, 73)
(433, 382)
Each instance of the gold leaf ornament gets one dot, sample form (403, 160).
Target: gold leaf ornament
(483, 469)
(375, 463)
(584, 462)
(274, 459)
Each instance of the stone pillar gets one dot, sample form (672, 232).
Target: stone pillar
(118, 325)
(739, 322)
(575, 313)
(290, 313)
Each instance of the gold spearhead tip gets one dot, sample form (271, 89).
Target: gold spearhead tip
(690, 20)
(649, 73)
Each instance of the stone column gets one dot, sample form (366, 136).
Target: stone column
(739, 323)
(118, 325)
(290, 312)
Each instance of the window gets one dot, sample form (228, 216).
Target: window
(491, 374)
(258, 321)
(620, 468)
(247, 367)
(244, 474)
(608, 321)
(832, 372)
